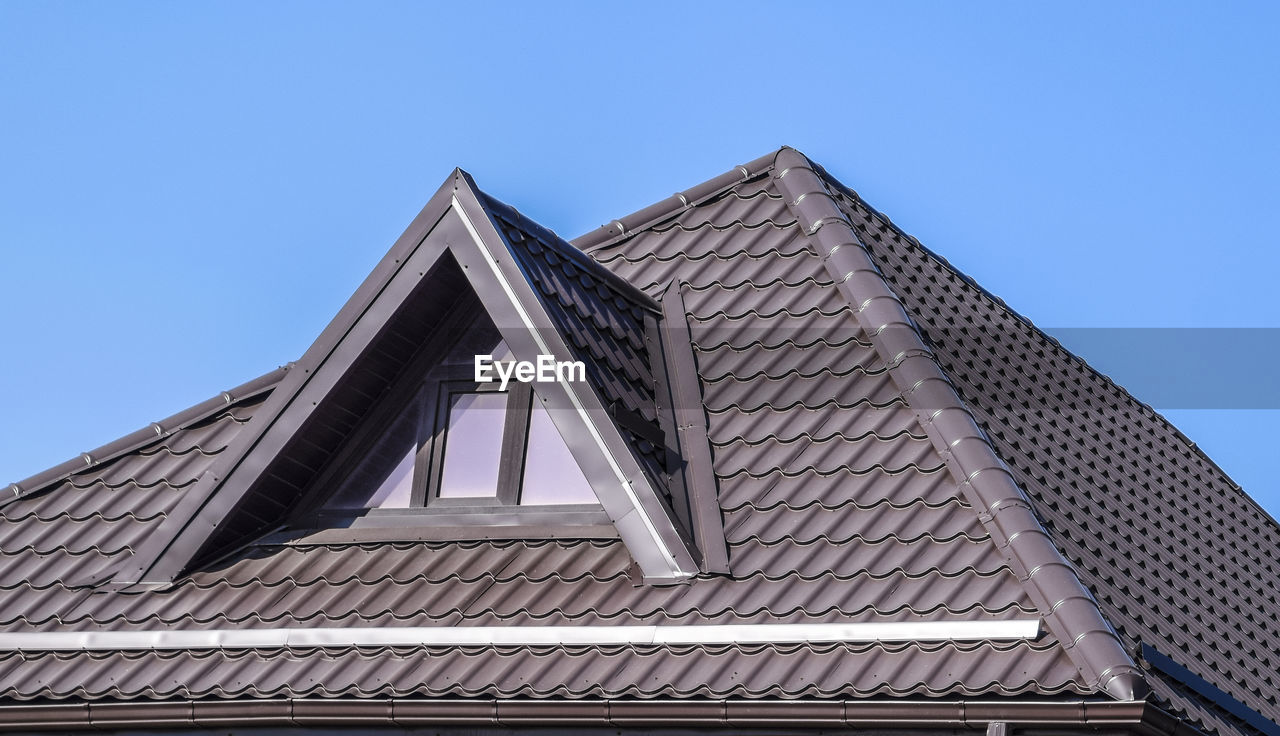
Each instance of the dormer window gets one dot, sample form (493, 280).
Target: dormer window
(459, 446)
(383, 431)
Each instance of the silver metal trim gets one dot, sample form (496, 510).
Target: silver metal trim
(478, 636)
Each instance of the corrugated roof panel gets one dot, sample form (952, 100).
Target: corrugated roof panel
(932, 484)
(719, 360)
(877, 522)
(913, 556)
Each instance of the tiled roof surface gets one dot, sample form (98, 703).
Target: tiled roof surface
(806, 427)
(836, 506)
(58, 541)
(1176, 554)
(649, 671)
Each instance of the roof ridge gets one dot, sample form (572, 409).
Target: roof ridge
(642, 219)
(142, 437)
(1054, 343)
(1068, 607)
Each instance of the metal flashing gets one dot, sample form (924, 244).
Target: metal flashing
(458, 528)
(617, 715)
(690, 422)
(515, 636)
(1068, 607)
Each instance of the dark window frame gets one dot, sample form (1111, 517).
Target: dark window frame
(441, 387)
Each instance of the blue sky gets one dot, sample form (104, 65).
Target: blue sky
(188, 192)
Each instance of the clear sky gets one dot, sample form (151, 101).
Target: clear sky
(189, 191)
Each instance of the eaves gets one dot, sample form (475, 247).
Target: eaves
(619, 716)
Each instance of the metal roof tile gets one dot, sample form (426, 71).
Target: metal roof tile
(877, 522)
(931, 483)
(1179, 558)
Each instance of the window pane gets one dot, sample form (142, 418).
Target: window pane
(473, 445)
(395, 491)
(384, 477)
(551, 475)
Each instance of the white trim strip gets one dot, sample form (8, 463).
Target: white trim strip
(473, 636)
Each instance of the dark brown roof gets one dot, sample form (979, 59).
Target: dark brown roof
(849, 484)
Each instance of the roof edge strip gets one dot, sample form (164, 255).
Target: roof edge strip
(972, 713)
(626, 226)
(469, 636)
(141, 438)
(1068, 607)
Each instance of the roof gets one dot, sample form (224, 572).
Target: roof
(871, 464)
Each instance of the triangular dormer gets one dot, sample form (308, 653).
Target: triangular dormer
(382, 428)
